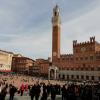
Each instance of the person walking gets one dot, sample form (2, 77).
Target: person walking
(26, 89)
(53, 92)
(37, 91)
(22, 89)
(12, 91)
(32, 92)
(64, 92)
(44, 94)
(0, 90)
(4, 92)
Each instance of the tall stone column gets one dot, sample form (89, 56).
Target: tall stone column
(49, 74)
(55, 74)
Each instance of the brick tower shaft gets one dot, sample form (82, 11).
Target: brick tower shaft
(56, 22)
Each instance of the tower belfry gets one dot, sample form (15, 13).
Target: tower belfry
(56, 22)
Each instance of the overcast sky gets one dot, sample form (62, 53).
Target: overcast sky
(25, 25)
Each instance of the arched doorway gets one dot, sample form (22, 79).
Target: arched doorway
(53, 72)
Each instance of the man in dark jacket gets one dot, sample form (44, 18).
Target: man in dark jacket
(3, 93)
(37, 91)
(12, 91)
(53, 92)
(32, 92)
(64, 93)
(44, 95)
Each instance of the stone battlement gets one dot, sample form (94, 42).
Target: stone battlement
(92, 40)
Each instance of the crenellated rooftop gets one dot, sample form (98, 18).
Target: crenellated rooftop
(92, 40)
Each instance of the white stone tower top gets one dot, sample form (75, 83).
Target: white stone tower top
(56, 20)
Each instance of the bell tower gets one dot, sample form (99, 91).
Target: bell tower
(56, 22)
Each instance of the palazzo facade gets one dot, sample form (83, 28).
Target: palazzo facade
(83, 64)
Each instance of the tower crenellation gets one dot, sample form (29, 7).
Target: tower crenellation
(74, 42)
(92, 39)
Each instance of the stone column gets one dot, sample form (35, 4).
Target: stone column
(49, 74)
(55, 74)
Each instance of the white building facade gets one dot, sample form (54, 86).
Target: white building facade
(5, 60)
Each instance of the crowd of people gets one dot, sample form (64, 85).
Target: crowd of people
(42, 89)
